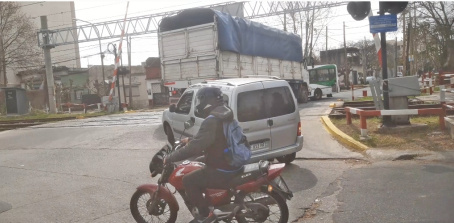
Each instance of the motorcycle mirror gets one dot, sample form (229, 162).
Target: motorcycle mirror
(188, 124)
(172, 108)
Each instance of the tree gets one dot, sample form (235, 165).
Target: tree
(434, 27)
(368, 54)
(17, 40)
(306, 21)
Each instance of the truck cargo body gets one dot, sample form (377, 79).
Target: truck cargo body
(190, 55)
(226, 47)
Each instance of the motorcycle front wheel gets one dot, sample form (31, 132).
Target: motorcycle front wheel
(278, 209)
(140, 206)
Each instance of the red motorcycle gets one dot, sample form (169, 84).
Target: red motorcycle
(257, 194)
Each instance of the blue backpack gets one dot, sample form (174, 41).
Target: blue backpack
(238, 152)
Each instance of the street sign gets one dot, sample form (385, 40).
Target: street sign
(383, 23)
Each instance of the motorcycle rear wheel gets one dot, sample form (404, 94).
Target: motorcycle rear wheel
(277, 205)
(140, 200)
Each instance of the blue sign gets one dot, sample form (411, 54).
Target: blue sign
(383, 23)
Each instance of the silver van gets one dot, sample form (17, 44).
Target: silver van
(265, 108)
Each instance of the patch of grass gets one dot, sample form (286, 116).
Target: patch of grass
(367, 98)
(430, 137)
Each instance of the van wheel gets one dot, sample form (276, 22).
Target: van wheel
(287, 158)
(169, 134)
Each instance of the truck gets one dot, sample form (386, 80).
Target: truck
(203, 44)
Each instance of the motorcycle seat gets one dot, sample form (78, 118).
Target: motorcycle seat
(250, 172)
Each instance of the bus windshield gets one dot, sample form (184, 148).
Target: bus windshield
(323, 75)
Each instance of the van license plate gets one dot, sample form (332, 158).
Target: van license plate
(261, 145)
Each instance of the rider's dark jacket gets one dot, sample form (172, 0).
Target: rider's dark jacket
(209, 141)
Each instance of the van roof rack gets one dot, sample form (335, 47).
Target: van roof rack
(263, 76)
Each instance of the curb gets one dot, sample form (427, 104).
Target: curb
(342, 137)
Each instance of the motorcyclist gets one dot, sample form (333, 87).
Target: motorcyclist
(210, 142)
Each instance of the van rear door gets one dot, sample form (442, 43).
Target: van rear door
(283, 116)
(252, 115)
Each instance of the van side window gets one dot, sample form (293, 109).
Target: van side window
(251, 106)
(225, 99)
(185, 103)
(279, 101)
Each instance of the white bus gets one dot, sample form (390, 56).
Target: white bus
(322, 80)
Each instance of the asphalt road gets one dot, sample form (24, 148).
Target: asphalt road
(86, 171)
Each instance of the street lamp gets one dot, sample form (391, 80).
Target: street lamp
(100, 52)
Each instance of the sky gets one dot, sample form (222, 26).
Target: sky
(147, 46)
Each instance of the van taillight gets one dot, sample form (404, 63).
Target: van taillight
(299, 129)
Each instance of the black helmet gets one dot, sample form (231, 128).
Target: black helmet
(207, 99)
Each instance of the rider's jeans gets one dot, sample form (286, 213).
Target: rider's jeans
(197, 181)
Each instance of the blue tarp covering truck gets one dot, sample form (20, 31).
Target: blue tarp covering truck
(204, 44)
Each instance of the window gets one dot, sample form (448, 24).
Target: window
(263, 104)
(225, 99)
(156, 88)
(251, 106)
(185, 103)
(279, 101)
(79, 94)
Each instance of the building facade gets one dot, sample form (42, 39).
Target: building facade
(59, 15)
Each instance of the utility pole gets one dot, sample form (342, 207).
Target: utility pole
(413, 28)
(49, 71)
(118, 79)
(326, 47)
(407, 59)
(395, 55)
(387, 122)
(2, 62)
(365, 60)
(312, 34)
(130, 72)
(346, 73)
(404, 45)
(285, 21)
(123, 75)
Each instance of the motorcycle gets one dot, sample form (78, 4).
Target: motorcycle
(258, 193)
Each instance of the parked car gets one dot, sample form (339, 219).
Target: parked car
(265, 108)
(370, 78)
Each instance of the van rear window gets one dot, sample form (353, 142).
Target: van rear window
(265, 103)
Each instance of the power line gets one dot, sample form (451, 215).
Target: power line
(31, 4)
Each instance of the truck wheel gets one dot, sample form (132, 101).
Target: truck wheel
(303, 94)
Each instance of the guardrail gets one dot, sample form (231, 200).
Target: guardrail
(84, 106)
(443, 92)
(441, 112)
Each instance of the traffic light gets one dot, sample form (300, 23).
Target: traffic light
(123, 71)
(393, 7)
(358, 10)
